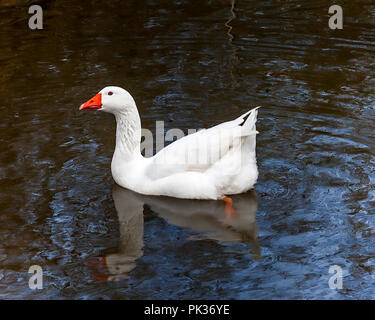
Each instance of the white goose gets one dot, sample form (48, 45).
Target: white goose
(209, 164)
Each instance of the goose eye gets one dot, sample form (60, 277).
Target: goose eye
(110, 93)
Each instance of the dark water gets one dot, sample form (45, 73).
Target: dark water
(191, 65)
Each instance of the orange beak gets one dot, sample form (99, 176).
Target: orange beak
(94, 103)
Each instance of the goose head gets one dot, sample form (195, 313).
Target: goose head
(110, 99)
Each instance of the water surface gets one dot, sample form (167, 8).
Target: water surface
(191, 65)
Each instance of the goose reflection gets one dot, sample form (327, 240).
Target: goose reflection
(206, 217)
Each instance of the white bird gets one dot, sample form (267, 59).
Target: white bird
(209, 164)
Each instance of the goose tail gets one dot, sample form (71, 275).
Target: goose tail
(249, 119)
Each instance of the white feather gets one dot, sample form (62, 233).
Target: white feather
(208, 164)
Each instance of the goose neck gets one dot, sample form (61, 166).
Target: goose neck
(128, 134)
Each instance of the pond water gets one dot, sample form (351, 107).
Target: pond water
(193, 66)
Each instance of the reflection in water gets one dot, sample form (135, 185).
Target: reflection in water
(230, 39)
(315, 153)
(206, 217)
(117, 265)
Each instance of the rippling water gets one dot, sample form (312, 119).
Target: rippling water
(192, 66)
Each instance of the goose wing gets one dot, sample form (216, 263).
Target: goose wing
(201, 150)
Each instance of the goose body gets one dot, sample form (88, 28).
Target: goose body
(208, 164)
